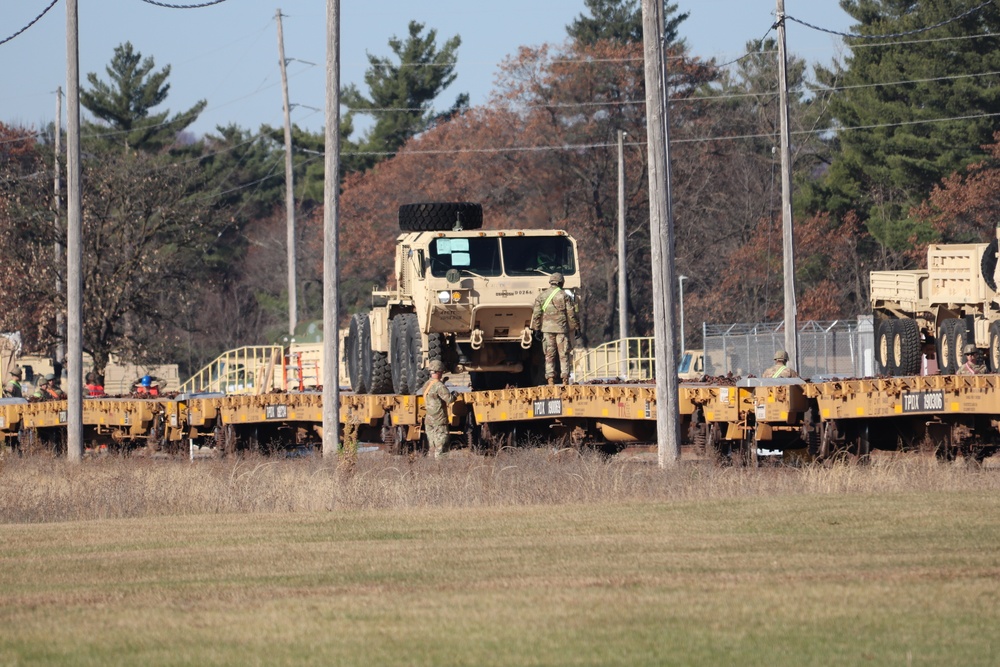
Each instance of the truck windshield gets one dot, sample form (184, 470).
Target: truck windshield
(538, 255)
(477, 255)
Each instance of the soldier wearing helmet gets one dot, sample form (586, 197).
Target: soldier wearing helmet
(437, 398)
(780, 369)
(972, 365)
(49, 388)
(13, 388)
(554, 315)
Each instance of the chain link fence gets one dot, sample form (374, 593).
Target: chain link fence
(841, 348)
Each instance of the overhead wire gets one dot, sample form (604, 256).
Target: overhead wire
(31, 23)
(892, 35)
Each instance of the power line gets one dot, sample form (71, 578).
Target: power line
(33, 22)
(892, 34)
(198, 6)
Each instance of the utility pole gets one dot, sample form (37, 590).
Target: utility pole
(293, 306)
(57, 223)
(788, 236)
(74, 243)
(331, 214)
(661, 234)
(622, 273)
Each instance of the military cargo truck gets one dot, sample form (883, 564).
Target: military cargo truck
(938, 310)
(462, 295)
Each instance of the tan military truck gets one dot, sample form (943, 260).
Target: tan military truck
(937, 310)
(462, 295)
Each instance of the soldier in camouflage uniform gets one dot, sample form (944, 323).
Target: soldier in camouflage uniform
(437, 398)
(972, 365)
(780, 369)
(555, 316)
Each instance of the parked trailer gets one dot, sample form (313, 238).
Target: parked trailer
(948, 415)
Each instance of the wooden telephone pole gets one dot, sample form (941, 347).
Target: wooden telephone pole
(74, 243)
(293, 306)
(788, 237)
(331, 246)
(661, 234)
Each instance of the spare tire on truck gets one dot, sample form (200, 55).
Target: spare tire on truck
(440, 216)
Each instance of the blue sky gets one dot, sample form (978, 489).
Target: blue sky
(228, 53)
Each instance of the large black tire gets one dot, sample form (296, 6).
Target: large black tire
(959, 335)
(949, 357)
(356, 350)
(883, 348)
(419, 374)
(399, 356)
(440, 216)
(381, 374)
(993, 353)
(988, 264)
(905, 347)
(365, 350)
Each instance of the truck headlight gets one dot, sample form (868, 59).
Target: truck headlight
(444, 296)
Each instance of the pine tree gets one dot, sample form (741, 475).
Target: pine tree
(620, 21)
(126, 102)
(914, 109)
(400, 91)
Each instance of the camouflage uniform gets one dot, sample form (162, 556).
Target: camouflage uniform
(13, 388)
(972, 366)
(555, 316)
(437, 398)
(780, 369)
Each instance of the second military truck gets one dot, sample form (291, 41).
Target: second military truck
(462, 295)
(938, 310)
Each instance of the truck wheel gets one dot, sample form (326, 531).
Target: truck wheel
(883, 348)
(365, 350)
(440, 217)
(356, 351)
(905, 347)
(947, 352)
(419, 375)
(988, 264)
(381, 382)
(993, 353)
(399, 356)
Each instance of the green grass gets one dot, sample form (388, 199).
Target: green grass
(882, 579)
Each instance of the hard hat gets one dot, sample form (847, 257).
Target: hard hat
(16, 372)
(556, 279)
(146, 381)
(49, 377)
(781, 355)
(436, 366)
(969, 349)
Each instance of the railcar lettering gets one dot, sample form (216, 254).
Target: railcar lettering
(550, 407)
(923, 401)
(276, 412)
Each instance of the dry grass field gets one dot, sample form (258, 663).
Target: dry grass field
(527, 558)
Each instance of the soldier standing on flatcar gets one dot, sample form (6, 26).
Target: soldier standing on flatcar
(555, 316)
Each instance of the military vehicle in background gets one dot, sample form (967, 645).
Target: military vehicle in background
(932, 313)
(462, 295)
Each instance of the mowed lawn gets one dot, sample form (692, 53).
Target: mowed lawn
(900, 579)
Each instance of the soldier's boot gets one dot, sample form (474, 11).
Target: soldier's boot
(551, 381)
(439, 452)
(566, 380)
